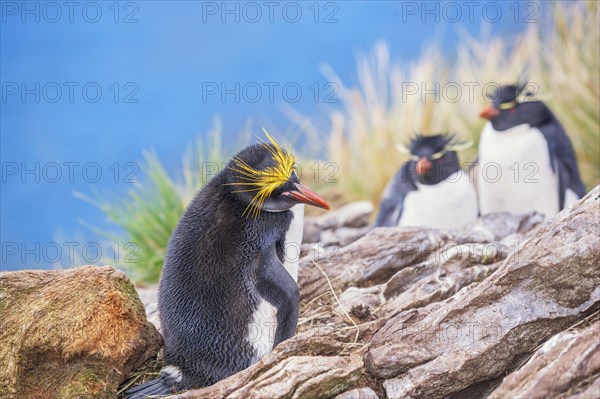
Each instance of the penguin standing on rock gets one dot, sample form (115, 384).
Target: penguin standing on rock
(526, 160)
(228, 292)
(431, 189)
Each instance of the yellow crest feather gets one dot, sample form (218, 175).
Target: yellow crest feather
(264, 182)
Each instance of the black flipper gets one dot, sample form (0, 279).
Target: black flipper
(277, 286)
(392, 203)
(561, 149)
(152, 388)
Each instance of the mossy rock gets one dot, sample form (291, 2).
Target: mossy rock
(72, 334)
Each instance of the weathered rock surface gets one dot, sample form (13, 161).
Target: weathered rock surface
(342, 226)
(290, 372)
(149, 297)
(380, 254)
(360, 393)
(70, 334)
(413, 313)
(442, 314)
(566, 365)
(550, 282)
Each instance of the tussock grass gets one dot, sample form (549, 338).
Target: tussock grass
(393, 101)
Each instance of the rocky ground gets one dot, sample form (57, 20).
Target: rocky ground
(508, 307)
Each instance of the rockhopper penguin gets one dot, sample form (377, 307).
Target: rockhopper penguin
(430, 189)
(228, 293)
(526, 160)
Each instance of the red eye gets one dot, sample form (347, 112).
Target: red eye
(512, 110)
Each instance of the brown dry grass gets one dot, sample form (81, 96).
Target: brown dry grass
(561, 59)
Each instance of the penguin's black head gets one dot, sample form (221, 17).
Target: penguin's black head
(433, 158)
(510, 107)
(263, 177)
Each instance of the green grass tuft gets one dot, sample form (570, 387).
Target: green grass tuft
(147, 216)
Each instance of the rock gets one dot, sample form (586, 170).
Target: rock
(355, 214)
(288, 372)
(485, 329)
(73, 333)
(148, 294)
(495, 226)
(564, 366)
(370, 260)
(592, 391)
(353, 296)
(149, 297)
(342, 225)
(343, 235)
(382, 252)
(442, 275)
(361, 393)
(312, 231)
(152, 315)
(437, 313)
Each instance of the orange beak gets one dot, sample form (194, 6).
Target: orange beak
(423, 165)
(305, 195)
(489, 112)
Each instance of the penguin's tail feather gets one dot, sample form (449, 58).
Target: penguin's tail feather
(150, 389)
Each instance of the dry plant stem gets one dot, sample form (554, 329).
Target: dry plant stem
(338, 302)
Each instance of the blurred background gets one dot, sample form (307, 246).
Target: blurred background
(113, 114)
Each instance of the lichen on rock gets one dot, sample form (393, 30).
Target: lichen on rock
(74, 333)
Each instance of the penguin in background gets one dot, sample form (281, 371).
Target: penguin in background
(526, 160)
(228, 293)
(430, 189)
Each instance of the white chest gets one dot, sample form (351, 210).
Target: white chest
(449, 204)
(515, 174)
(261, 331)
(293, 240)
